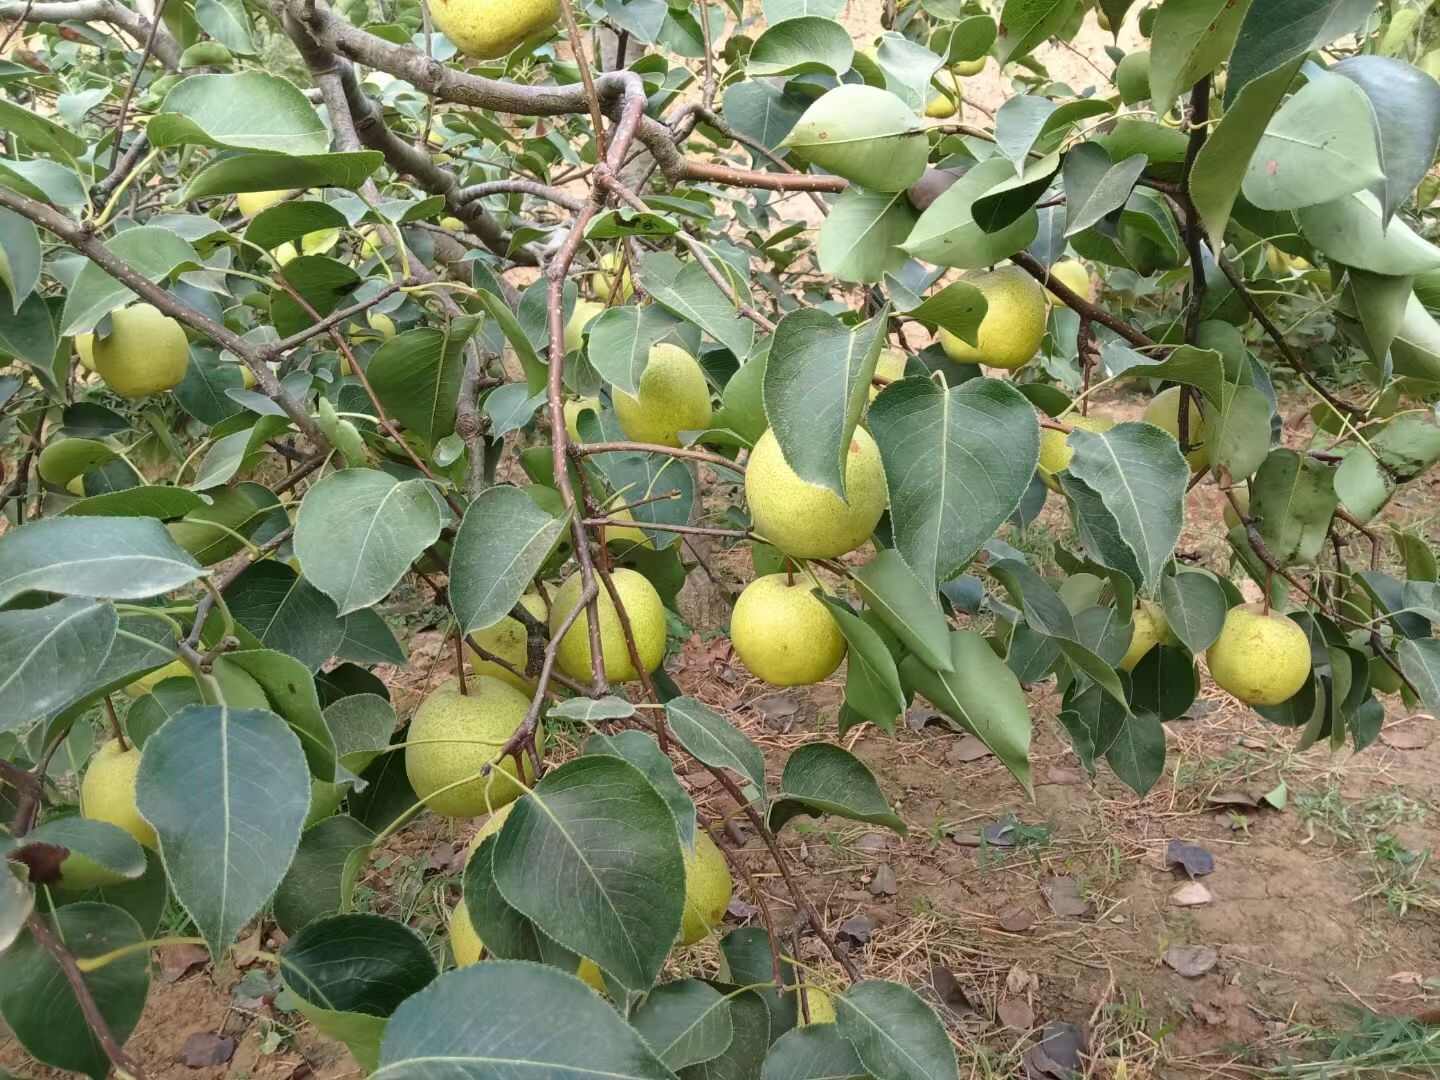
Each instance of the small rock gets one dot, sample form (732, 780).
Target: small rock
(203, 1049)
(967, 749)
(1191, 894)
(1192, 858)
(1191, 961)
(1016, 919)
(1063, 896)
(883, 883)
(1016, 1013)
(1019, 981)
(874, 841)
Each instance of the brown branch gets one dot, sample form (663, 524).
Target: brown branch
(134, 81)
(166, 49)
(586, 449)
(521, 187)
(335, 318)
(1073, 300)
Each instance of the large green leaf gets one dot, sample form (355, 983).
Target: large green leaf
(865, 134)
(40, 133)
(502, 542)
(1024, 25)
(359, 530)
(817, 382)
(620, 343)
(128, 559)
(1351, 230)
(1190, 39)
(19, 257)
(872, 682)
(906, 604)
(416, 375)
(762, 111)
(50, 656)
(640, 749)
(227, 792)
(251, 110)
(1294, 497)
(860, 240)
(815, 1052)
(150, 250)
(112, 854)
(686, 291)
(806, 45)
(895, 1034)
(821, 779)
(1094, 187)
(285, 612)
(321, 879)
(947, 233)
(753, 1015)
(715, 741)
(257, 171)
(685, 1022)
(38, 1005)
(1406, 102)
(1195, 605)
(442, 1024)
(291, 691)
(959, 307)
(1277, 32)
(982, 696)
(1128, 485)
(957, 463)
(227, 22)
(1420, 660)
(611, 883)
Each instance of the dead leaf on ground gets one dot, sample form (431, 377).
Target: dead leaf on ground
(950, 991)
(1063, 896)
(874, 841)
(1016, 1013)
(778, 710)
(858, 928)
(741, 909)
(1002, 832)
(1192, 858)
(883, 883)
(1191, 894)
(177, 961)
(1016, 919)
(919, 717)
(1233, 797)
(203, 1049)
(1191, 961)
(1409, 734)
(1020, 981)
(968, 748)
(1058, 1055)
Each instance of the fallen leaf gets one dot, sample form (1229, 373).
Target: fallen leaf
(177, 961)
(1000, 833)
(1016, 919)
(1058, 1055)
(874, 841)
(1408, 734)
(883, 883)
(205, 1048)
(858, 928)
(968, 748)
(1233, 798)
(949, 990)
(1191, 960)
(741, 909)
(966, 839)
(919, 717)
(1192, 858)
(1020, 981)
(1277, 796)
(1063, 896)
(1191, 894)
(1016, 1013)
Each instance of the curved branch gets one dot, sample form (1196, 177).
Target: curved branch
(108, 11)
(523, 187)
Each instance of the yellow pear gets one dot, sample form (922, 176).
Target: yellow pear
(807, 521)
(284, 254)
(784, 633)
(108, 791)
(1260, 659)
(452, 224)
(145, 353)
(585, 310)
(674, 397)
(381, 323)
(1132, 76)
(965, 68)
(708, 888)
(453, 736)
(890, 366)
(508, 640)
(609, 290)
(493, 824)
(573, 408)
(145, 683)
(467, 948)
(85, 350)
(1164, 412)
(1073, 274)
(1151, 628)
(1055, 449)
(76, 485)
(647, 622)
(1014, 323)
(487, 29)
(253, 202)
(821, 1006)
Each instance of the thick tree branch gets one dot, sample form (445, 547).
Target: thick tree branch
(523, 187)
(166, 49)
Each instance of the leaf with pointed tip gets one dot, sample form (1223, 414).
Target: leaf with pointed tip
(906, 605)
(715, 741)
(1293, 496)
(1018, 123)
(687, 292)
(114, 855)
(152, 250)
(1195, 605)
(227, 792)
(290, 688)
(685, 1022)
(1420, 661)
(1024, 25)
(959, 307)
(1406, 104)
(1190, 39)
(1095, 187)
(503, 540)
(416, 375)
(250, 110)
(872, 683)
(593, 710)
(641, 750)
(815, 1052)
(50, 656)
(821, 779)
(948, 233)
(620, 343)
(285, 612)
(128, 559)
(895, 1034)
(860, 239)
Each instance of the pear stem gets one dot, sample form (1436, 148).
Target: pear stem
(115, 728)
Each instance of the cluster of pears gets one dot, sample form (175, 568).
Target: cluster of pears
(146, 352)
(946, 102)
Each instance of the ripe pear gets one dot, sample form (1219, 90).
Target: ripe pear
(1074, 274)
(108, 792)
(381, 323)
(708, 888)
(487, 29)
(607, 289)
(1014, 324)
(467, 948)
(890, 366)
(784, 633)
(1055, 449)
(284, 254)
(1164, 412)
(1132, 76)
(1151, 628)
(585, 310)
(647, 622)
(145, 353)
(965, 68)
(508, 640)
(821, 1006)
(253, 202)
(1260, 659)
(493, 824)
(453, 736)
(452, 224)
(945, 103)
(674, 397)
(807, 521)
(85, 350)
(145, 683)
(573, 408)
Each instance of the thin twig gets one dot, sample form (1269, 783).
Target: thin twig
(134, 80)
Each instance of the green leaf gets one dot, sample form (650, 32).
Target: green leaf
(149, 500)
(1190, 39)
(1025, 24)
(686, 291)
(286, 613)
(19, 257)
(1294, 497)
(150, 250)
(1318, 147)
(982, 696)
(1138, 753)
(815, 1052)
(531, 361)
(1420, 661)
(323, 283)
(441, 1023)
(227, 22)
(957, 463)
(1138, 477)
(685, 1022)
(30, 335)
(763, 111)
(947, 234)
(753, 1016)
(39, 133)
(38, 1005)
(1273, 35)
(507, 934)
(1007, 202)
(905, 604)
(634, 477)
(1094, 188)
(1195, 605)
(112, 853)
(1240, 436)
(817, 382)
(290, 221)
(129, 559)
(359, 530)
(369, 640)
(603, 829)
(202, 393)
(290, 688)
(352, 972)
(872, 682)
(620, 343)
(714, 741)
(959, 307)
(1406, 104)
(227, 792)
(257, 171)
(321, 879)
(251, 110)
(503, 541)
(1381, 303)
(1351, 231)
(641, 750)
(1018, 123)
(613, 224)
(43, 180)
(865, 134)
(17, 900)
(780, 10)
(895, 1034)
(806, 45)
(214, 532)
(416, 375)
(50, 656)
(821, 779)
(860, 240)
(908, 68)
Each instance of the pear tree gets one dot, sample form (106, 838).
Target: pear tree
(532, 307)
